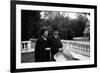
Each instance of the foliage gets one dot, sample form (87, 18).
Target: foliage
(68, 27)
(33, 21)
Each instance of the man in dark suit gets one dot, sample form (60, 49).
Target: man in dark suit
(54, 43)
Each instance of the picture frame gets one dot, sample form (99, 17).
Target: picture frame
(15, 37)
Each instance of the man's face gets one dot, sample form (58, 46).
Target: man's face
(56, 33)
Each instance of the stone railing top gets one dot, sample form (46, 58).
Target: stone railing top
(25, 41)
(78, 42)
(64, 41)
(33, 40)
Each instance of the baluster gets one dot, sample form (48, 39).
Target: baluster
(86, 48)
(79, 47)
(71, 46)
(75, 46)
(21, 46)
(24, 46)
(29, 45)
(83, 48)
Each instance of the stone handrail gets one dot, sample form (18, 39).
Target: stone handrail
(74, 46)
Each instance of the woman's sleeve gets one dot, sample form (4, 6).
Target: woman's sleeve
(60, 44)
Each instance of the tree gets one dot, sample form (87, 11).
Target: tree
(30, 23)
(67, 23)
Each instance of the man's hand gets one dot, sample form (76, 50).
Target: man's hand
(47, 48)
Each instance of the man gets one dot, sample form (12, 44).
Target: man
(54, 43)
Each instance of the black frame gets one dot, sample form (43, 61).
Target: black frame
(13, 35)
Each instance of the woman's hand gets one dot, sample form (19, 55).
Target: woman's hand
(47, 48)
(60, 49)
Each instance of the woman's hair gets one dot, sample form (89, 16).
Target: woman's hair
(42, 31)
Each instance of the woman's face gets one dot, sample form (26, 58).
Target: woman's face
(45, 34)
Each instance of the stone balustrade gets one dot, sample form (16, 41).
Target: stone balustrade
(26, 46)
(74, 46)
(77, 47)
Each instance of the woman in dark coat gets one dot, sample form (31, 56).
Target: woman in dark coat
(41, 52)
(54, 43)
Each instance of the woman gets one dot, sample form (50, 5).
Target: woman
(54, 43)
(41, 48)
